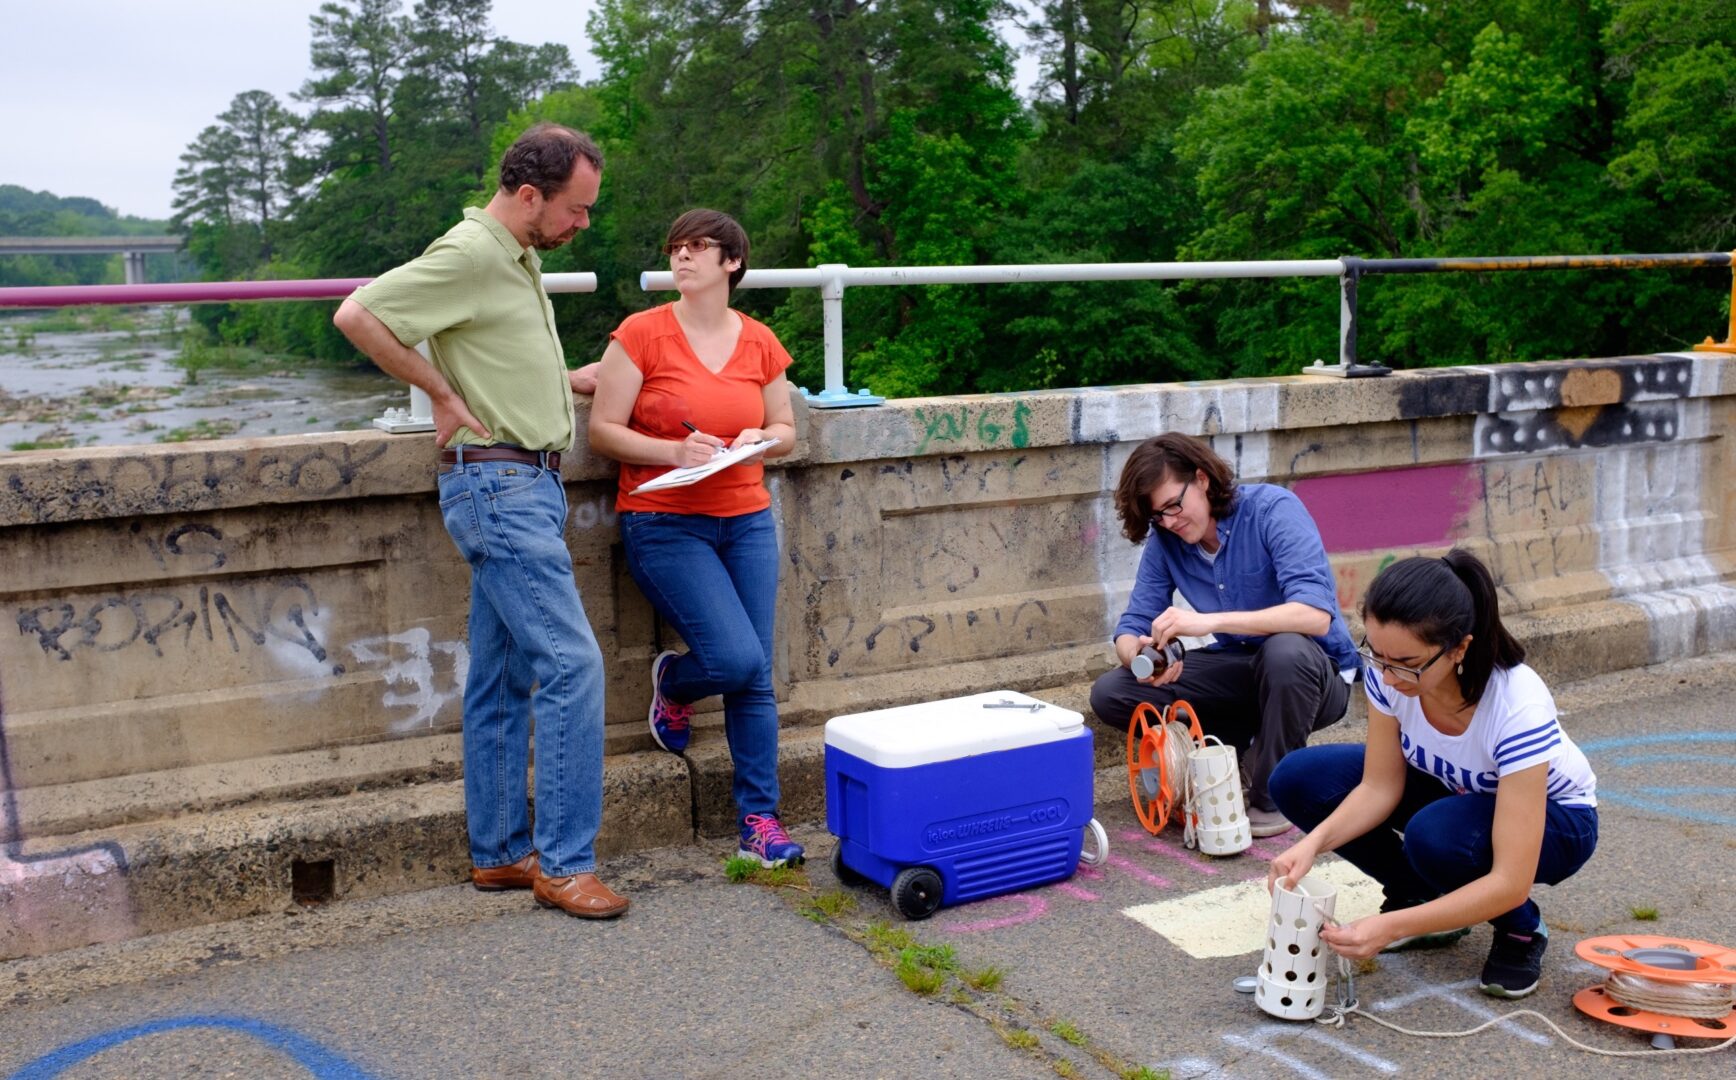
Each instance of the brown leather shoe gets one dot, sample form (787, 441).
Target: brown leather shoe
(520, 875)
(582, 895)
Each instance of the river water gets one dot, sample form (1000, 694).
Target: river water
(103, 387)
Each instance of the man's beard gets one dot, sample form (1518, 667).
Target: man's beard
(544, 242)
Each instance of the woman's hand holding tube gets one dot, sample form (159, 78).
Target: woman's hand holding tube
(1293, 864)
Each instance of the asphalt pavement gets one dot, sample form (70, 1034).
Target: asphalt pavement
(1124, 970)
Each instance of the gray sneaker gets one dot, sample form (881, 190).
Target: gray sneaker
(1435, 939)
(1266, 822)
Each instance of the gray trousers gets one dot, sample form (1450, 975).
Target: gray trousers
(1264, 703)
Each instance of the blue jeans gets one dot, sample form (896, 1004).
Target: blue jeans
(527, 627)
(715, 580)
(1435, 841)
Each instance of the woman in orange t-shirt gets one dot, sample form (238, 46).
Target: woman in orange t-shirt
(676, 385)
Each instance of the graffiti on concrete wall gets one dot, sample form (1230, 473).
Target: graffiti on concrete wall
(999, 424)
(275, 612)
(1393, 508)
(145, 483)
(422, 675)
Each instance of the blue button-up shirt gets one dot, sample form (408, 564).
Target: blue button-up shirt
(1269, 553)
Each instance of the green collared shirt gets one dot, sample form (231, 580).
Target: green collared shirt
(476, 297)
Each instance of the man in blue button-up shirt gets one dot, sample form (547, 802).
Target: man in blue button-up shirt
(1250, 563)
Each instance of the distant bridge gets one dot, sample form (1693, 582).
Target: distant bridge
(134, 248)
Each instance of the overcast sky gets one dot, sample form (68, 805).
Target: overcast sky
(100, 97)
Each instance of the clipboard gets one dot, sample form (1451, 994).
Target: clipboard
(692, 474)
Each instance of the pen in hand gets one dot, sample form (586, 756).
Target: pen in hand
(716, 450)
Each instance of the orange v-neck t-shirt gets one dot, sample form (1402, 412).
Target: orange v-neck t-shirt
(678, 387)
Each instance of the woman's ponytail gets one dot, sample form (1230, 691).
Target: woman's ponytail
(1442, 600)
(1491, 645)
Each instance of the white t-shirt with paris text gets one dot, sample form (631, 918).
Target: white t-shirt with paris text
(1513, 728)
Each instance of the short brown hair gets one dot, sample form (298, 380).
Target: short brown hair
(544, 157)
(713, 225)
(1171, 456)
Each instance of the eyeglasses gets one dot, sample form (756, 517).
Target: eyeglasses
(1171, 509)
(1398, 671)
(699, 246)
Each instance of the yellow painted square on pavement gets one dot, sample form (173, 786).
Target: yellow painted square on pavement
(1231, 919)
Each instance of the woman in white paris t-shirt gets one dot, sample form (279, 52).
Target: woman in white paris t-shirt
(1468, 792)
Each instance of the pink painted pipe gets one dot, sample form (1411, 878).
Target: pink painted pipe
(188, 292)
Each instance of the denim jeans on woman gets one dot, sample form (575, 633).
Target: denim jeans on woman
(527, 626)
(714, 580)
(1436, 840)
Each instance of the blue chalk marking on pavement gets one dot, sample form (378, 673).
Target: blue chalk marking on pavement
(1654, 803)
(1671, 759)
(323, 1064)
(1667, 808)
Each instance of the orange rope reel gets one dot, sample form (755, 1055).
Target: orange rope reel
(1666, 960)
(1157, 745)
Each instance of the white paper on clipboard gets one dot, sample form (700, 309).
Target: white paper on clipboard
(675, 478)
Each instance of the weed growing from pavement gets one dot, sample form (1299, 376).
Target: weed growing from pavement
(1020, 1038)
(1368, 965)
(918, 979)
(1644, 914)
(827, 906)
(885, 941)
(934, 971)
(742, 868)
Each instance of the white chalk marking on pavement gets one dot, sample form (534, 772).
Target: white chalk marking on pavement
(1231, 919)
(1336, 1041)
(1449, 993)
(1259, 1047)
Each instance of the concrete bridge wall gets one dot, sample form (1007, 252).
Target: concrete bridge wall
(203, 629)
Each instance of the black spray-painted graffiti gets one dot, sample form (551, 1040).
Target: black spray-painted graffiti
(277, 608)
(148, 484)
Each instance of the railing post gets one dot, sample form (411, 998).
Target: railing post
(835, 395)
(419, 416)
(1728, 345)
(1347, 366)
(1347, 311)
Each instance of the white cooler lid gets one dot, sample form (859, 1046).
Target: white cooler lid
(931, 731)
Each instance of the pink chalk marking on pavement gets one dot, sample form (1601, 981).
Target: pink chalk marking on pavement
(1075, 891)
(1392, 508)
(1139, 872)
(1034, 906)
(1158, 847)
(1090, 873)
(1265, 850)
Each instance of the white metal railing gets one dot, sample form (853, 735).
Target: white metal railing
(420, 415)
(833, 278)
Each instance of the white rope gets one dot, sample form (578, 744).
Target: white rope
(1337, 1015)
(1696, 1001)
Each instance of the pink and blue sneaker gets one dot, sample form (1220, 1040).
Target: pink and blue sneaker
(763, 838)
(671, 724)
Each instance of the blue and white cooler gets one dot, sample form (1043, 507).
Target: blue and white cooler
(945, 802)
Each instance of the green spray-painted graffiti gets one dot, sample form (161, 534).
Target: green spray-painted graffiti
(987, 422)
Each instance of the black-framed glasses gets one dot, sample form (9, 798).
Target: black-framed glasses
(1172, 508)
(1411, 674)
(699, 245)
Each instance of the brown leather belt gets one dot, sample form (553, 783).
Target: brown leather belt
(505, 453)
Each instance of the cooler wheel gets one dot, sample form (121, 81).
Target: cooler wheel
(916, 892)
(842, 871)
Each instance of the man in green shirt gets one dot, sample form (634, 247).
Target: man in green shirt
(503, 416)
